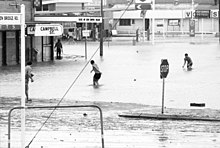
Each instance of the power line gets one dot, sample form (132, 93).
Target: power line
(74, 81)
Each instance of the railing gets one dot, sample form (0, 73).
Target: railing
(43, 107)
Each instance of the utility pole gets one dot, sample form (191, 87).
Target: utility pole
(101, 30)
(219, 20)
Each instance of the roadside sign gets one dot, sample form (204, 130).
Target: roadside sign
(48, 30)
(10, 19)
(164, 68)
(86, 33)
(143, 6)
(192, 28)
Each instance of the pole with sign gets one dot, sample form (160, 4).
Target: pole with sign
(18, 19)
(164, 70)
(23, 75)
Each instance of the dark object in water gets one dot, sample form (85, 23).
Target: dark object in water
(197, 104)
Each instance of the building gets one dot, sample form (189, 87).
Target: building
(171, 16)
(9, 34)
(37, 48)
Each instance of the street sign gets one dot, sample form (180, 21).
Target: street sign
(10, 19)
(164, 68)
(48, 30)
(143, 6)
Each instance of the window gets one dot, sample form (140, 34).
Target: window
(125, 22)
(133, 21)
(173, 22)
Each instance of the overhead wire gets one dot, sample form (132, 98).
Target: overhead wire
(75, 80)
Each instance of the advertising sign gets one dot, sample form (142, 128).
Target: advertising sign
(48, 30)
(202, 13)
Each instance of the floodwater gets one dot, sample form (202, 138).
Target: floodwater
(129, 74)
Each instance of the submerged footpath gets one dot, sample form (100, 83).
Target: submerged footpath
(81, 126)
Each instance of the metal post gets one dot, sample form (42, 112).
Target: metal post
(83, 7)
(162, 110)
(202, 28)
(219, 21)
(101, 30)
(153, 23)
(23, 75)
(86, 47)
(144, 26)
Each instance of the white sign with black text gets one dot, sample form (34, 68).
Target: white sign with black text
(48, 30)
(10, 19)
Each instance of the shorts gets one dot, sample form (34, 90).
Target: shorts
(97, 76)
(189, 65)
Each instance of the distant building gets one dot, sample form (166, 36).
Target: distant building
(169, 17)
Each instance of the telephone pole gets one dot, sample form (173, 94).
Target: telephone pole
(101, 30)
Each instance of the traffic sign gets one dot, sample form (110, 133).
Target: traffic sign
(48, 30)
(143, 6)
(164, 68)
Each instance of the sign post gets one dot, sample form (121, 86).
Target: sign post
(23, 75)
(18, 19)
(192, 28)
(86, 33)
(164, 70)
(143, 5)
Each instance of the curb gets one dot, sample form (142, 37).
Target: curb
(166, 117)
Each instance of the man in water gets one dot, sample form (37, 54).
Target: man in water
(28, 75)
(189, 62)
(59, 49)
(97, 74)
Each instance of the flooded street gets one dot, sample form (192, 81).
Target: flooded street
(129, 74)
(130, 82)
